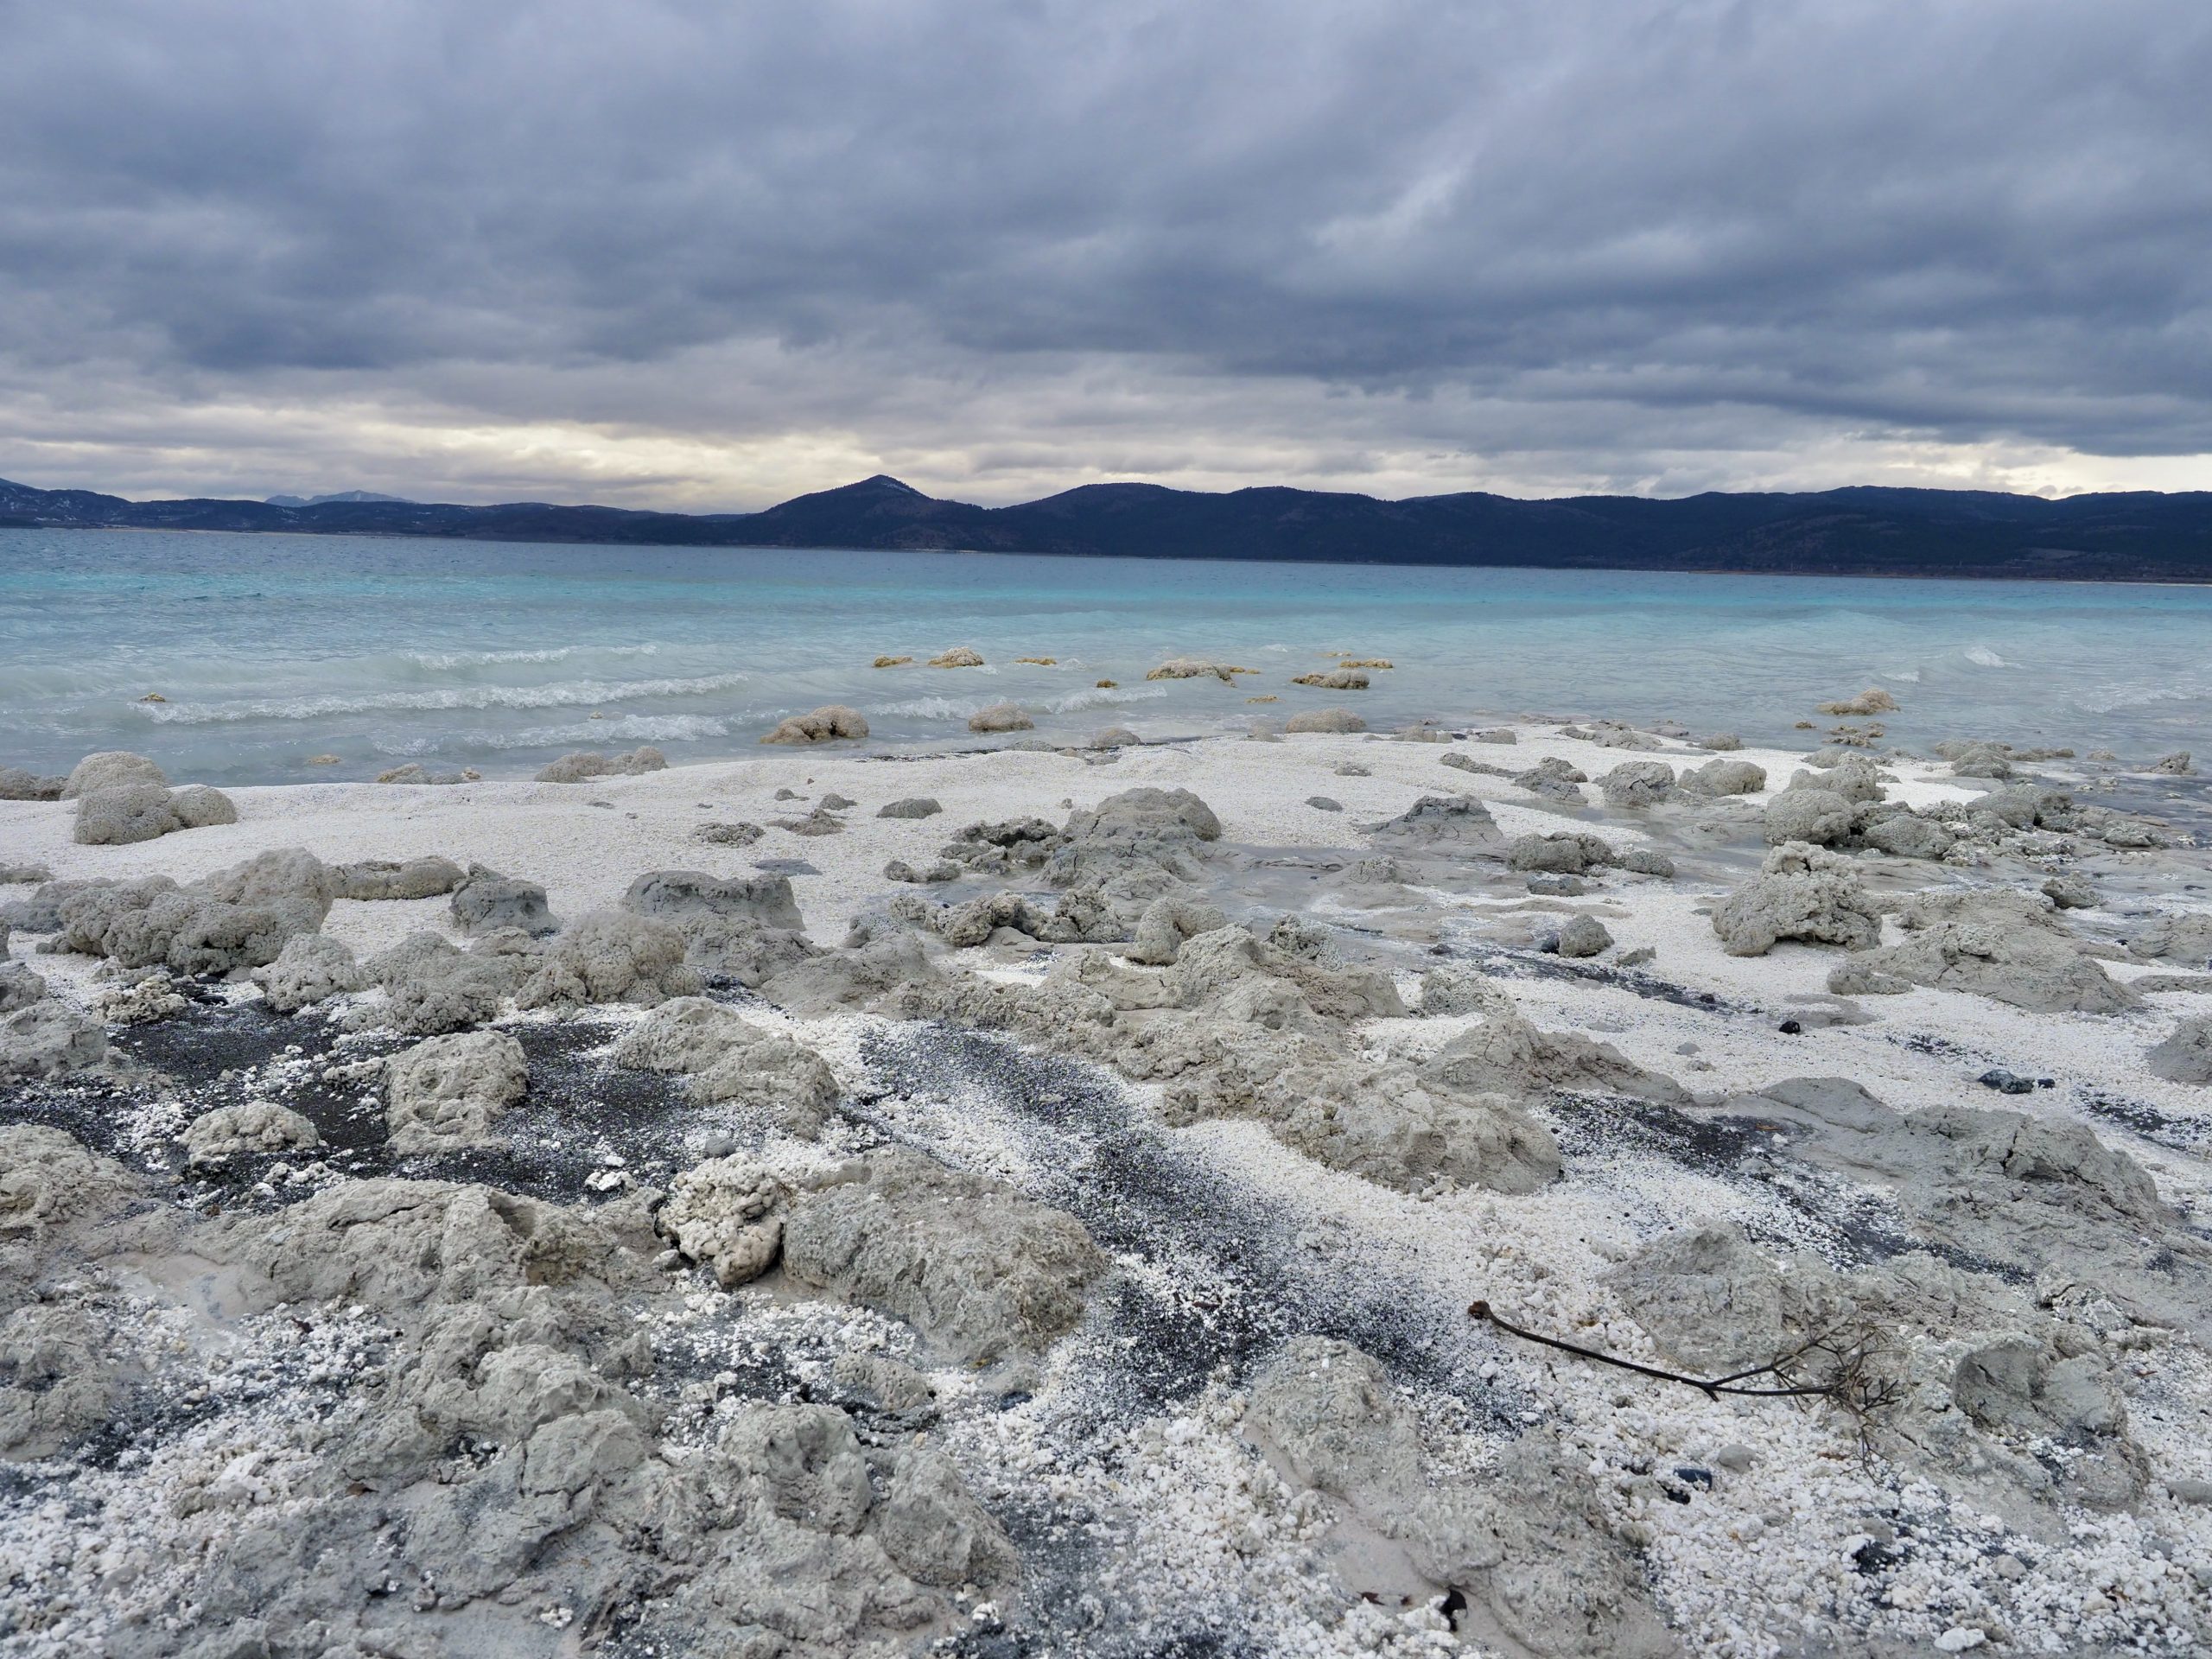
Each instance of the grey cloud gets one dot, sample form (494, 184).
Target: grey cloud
(1597, 237)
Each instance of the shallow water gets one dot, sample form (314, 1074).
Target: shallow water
(271, 648)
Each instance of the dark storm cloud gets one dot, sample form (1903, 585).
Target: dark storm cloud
(1595, 233)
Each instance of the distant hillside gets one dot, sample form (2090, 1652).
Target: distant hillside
(2140, 536)
(325, 500)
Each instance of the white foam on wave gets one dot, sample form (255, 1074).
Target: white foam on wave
(449, 659)
(2111, 699)
(642, 729)
(928, 708)
(1984, 657)
(1100, 697)
(559, 694)
(585, 733)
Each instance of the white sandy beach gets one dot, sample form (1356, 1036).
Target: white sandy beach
(1804, 1527)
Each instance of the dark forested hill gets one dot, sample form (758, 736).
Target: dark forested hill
(2140, 536)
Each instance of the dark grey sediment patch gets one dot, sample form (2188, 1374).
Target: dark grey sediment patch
(1847, 1224)
(1243, 1284)
(583, 1117)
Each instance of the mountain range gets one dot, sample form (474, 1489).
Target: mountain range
(2135, 536)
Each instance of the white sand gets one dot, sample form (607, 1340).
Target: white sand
(1757, 1569)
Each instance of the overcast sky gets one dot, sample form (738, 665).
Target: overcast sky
(706, 256)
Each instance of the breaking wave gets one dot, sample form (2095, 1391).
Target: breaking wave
(1100, 697)
(560, 694)
(451, 659)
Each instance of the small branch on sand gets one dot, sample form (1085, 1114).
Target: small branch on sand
(1841, 1367)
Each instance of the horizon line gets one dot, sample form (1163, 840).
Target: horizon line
(2053, 496)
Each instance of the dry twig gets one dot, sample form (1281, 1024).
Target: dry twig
(1832, 1366)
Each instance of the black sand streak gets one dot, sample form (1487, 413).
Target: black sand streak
(1851, 1227)
(2140, 1117)
(1128, 1183)
(579, 1109)
(1497, 961)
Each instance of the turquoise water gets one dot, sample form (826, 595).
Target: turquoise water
(270, 649)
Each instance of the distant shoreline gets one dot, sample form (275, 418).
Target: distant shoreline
(1962, 535)
(1792, 573)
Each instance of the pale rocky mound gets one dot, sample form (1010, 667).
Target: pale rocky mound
(507, 1325)
(16, 783)
(488, 902)
(858, 976)
(2009, 946)
(1560, 852)
(1973, 1376)
(2175, 939)
(237, 919)
(1111, 862)
(110, 769)
(1506, 1054)
(19, 986)
(1138, 829)
(432, 986)
(1637, 783)
(376, 879)
(136, 805)
(1458, 823)
(1710, 1301)
(832, 723)
(746, 927)
(959, 657)
(149, 996)
(1872, 700)
(1528, 1547)
(310, 968)
(1334, 679)
(47, 1038)
(1903, 832)
(1809, 815)
(1723, 778)
(2003, 1188)
(1554, 779)
(2186, 1056)
(913, 806)
(609, 955)
(1238, 1026)
(728, 1216)
(1168, 922)
(416, 773)
(442, 1094)
(1189, 668)
(723, 1057)
(1324, 719)
(1801, 893)
(584, 765)
(1000, 717)
(255, 1125)
(980, 1272)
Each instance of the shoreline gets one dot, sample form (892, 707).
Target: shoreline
(1729, 571)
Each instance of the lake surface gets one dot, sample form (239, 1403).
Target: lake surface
(272, 649)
